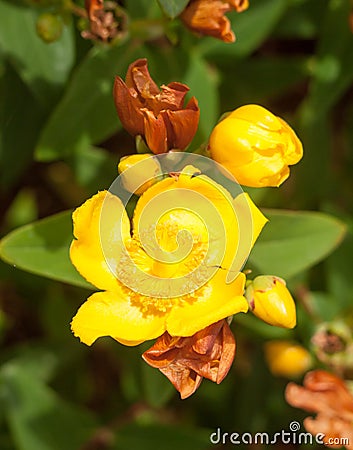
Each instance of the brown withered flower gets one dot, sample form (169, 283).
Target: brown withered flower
(326, 395)
(106, 20)
(207, 17)
(155, 114)
(186, 360)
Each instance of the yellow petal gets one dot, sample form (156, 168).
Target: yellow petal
(257, 114)
(100, 227)
(218, 301)
(243, 232)
(112, 314)
(190, 209)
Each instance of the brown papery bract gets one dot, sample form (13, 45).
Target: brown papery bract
(186, 360)
(327, 395)
(156, 114)
(207, 17)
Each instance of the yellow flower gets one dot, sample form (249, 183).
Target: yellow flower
(255, 146)
(270, 300)
(135, 177)
(165, 276)
(287, 359)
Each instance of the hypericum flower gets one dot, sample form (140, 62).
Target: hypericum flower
(208, 17)
(187, 360)
(255, 146)
(287, 358)
(327, 395)
(137, 178)
(150, 283)
(270, 300)
(156, 114)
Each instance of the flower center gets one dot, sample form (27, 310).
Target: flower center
(169, 268)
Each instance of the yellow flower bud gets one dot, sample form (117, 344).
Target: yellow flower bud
(139, 172)
(287, 359)
(270, 300)
(255, 146)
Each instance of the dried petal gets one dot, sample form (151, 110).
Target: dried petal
(146, 110)
(327, 395)
(172, 96)
(239, 5)
(106, 21)
(207, 17)
(186, 360)
(155, 132)
(182, 125)
(128, 107)
(139, 78)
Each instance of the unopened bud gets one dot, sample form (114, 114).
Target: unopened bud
(270, 300)
(139, 172)
(287, 359)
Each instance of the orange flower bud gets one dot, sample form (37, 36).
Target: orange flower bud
(270, 300)
(186, 360)
(287, 359)
(207, 17)
(255, 146)
(156, 114)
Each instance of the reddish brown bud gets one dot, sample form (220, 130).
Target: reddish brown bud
(156, 114)
(186, 360)
(207, 17)
(327, 395)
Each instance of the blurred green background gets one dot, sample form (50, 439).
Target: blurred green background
(60, 143)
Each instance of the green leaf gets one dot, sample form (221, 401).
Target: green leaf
(157, 389)
(142, 9)
(42, 248)
(251, 28)
(256, 327)
(37, 417)
(333, 65)
(21, 118)
(302, 20)
(339, 273)
(245, 85)
(44, 67)
(203, 83)
(150, 437)
(293, 241)
(323, 305)
(172, 8)
(86, 113)
(92, 167)
(316, 136)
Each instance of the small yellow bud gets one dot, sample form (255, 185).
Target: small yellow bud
(270, 300)
(287, 359)
(139, 172)
(255, 146)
